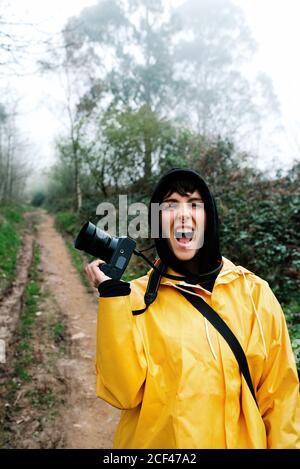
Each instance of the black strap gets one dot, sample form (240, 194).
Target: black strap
(192, 278)
(212, 316)
(209, 313)
(152, 288)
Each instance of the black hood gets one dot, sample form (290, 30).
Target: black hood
(208, 258)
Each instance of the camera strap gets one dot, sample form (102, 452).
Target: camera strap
(193, 278)
(152, 287)
(213, 317)
(208, 312)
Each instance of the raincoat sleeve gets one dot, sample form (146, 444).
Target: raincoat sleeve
(278, 393)
(120, 361)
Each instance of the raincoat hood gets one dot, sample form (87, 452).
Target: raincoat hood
(208, 258)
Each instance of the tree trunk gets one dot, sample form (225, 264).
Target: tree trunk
(147, 158)
(77, 188)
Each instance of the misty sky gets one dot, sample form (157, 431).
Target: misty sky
(274, 25)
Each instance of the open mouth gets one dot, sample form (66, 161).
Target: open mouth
(183, 237)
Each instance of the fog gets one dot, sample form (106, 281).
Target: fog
(39, 98)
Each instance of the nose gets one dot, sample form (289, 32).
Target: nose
(184, 211)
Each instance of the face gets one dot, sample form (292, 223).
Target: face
(183, 221)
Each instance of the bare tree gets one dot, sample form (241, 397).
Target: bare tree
(74, 71)
(14, 167)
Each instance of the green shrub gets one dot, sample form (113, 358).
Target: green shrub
(10, 242)
(38, 199)
(67, 222)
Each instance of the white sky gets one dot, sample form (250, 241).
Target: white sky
(274, 25)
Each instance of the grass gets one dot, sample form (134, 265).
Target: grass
(58, 332)
(24, 353)
(23, 388)
(67, 223)
(79, 260)
(11, 224)
(31, 381)
(42, 399)
(32, 295)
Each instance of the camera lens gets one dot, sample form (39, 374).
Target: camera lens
(96, 242)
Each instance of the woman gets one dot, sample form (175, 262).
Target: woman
(173, 374)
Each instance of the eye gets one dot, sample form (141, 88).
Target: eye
(169, 205)
(197, 204)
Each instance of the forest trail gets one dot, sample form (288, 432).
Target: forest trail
(48, 379)
(88, 421)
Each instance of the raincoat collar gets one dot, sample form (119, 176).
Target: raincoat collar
(228, 273)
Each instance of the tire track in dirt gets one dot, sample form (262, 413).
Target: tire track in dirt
(11, 300)
(88, 421)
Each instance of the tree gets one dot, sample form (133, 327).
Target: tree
(81, 92)
(135, 38)
(14, 168)
(182, 65)
(138, 141)
(220, 99)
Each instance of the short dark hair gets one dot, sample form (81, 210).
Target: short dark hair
(182, 186)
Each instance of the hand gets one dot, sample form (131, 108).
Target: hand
(94, 274)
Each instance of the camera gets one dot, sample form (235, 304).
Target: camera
(116, 252)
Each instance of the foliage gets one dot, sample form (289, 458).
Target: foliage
(67, 222)
(10, 241)
(58, 331)
(260, 221)
(60, 187)
(166, 89)
(152, 72)
(24, 355)
(79, 259)
(38, 199)
(261, 231)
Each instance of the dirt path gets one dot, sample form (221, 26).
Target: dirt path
(88, 421)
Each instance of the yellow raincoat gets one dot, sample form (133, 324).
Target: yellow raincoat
(176, 378)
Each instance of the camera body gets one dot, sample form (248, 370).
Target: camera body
(119, 261)
(116, 252)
